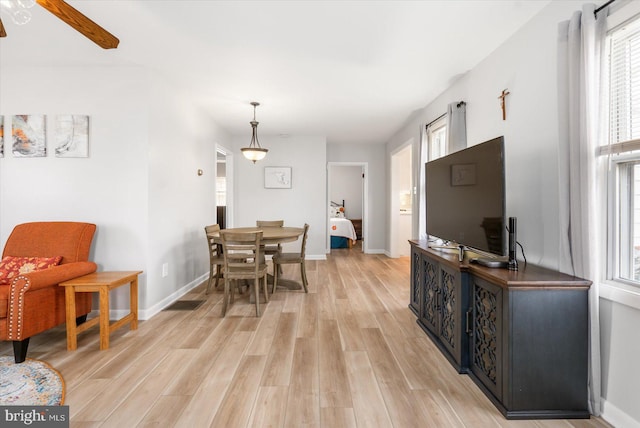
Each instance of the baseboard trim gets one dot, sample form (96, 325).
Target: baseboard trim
(375, 251)
(316, 257)
(145, 314)
(617, 417)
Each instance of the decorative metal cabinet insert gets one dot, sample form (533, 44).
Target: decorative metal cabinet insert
(416, 280)
(444, 303)
(486, 345)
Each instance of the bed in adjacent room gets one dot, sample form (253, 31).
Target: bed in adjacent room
(341, 230)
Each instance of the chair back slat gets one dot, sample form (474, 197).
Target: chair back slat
(214, 249)
(242, 253)
(243, 259)
(304, 241)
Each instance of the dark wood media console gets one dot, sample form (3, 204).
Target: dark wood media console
(521, 335)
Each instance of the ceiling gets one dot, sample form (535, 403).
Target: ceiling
(353, 71)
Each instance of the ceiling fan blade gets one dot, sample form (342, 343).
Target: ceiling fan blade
(81, 23)
(2, 32)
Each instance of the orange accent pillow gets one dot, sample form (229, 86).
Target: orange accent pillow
(11, 266)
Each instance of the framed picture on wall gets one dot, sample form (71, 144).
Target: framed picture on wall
(71, 135)
(29, 135)
(277, 177)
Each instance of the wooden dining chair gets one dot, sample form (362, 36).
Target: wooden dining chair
(243, 259)
(270, 250)
(216, 259)
(281, 258)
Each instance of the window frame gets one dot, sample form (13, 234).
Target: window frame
(434, 127)
(614, 219)
(613, 287)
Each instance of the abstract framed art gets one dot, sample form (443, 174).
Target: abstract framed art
(277, 177)
(71, 136)
(28, 132)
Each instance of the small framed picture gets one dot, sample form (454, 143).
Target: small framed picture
(71, 136)
(277, 177)
(463, 174)
(28, 132)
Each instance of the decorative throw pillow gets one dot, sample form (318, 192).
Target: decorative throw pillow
(336, 211)
(11, 266)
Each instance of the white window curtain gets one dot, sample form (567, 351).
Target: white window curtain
(422, 200)
(457, 126)
(580, 64)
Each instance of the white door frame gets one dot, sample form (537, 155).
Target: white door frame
(365, 202)
(394, 204)
(229, 180)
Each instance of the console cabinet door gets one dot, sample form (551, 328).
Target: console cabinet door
(486, 344)
(450, 325)
(416, 280)
(430, 305)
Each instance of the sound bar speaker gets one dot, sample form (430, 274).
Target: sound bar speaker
(513, 263)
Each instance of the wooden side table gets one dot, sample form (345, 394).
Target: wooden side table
(101, 282)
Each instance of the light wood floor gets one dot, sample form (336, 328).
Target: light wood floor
(348, 354)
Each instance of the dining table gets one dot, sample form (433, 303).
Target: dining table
(271, 235)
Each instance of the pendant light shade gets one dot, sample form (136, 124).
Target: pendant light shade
(254, 152)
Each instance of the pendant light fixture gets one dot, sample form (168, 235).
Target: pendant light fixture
(254, 152)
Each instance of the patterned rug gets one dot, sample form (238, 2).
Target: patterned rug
(31, 383)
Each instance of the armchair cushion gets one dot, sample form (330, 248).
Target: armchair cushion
(11, 267)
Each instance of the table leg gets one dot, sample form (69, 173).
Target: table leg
(133, 302)
(104, 318)
(72, 335)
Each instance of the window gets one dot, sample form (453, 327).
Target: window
(437, 138)
(623, 149)
(433, 145)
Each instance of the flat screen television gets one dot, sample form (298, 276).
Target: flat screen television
(465, 197)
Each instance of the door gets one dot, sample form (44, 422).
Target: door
(401, 202)
(347, 181)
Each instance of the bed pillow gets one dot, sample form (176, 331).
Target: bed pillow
(11, 266)
(336, 212)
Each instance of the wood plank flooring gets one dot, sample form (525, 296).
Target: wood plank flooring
(348, 354)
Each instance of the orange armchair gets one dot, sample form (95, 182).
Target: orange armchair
(33, 302)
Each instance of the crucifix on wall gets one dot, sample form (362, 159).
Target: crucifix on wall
(502, 98)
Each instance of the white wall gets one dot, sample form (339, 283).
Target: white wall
(375, 156)
(346, 183)
(304, 203)
(139, 183)
(526, 64)
(182, 139)
(109, 188)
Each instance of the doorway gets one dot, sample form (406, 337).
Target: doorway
(224, 187)
(347, 181)
(401, 202)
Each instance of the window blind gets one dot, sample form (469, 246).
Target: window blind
(624, 90)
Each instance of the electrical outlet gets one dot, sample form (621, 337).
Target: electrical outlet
(165, 269)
